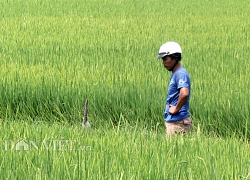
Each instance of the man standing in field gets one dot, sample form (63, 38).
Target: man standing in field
(177, 116)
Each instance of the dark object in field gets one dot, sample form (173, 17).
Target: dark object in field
(85, 122)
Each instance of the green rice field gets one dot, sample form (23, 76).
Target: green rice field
(55, 54)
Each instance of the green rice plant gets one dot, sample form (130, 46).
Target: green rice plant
(55, 54)
(127, 152)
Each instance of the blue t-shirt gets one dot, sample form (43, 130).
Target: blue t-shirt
(180, 78)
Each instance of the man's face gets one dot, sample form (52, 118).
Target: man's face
(168, 62)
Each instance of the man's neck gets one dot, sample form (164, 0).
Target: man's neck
(178, 65)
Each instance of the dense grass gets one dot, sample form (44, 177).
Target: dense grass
(55, 54)
(131, 153)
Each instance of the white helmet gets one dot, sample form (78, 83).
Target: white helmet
(169, 48)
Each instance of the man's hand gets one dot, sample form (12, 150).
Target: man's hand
(172, 109)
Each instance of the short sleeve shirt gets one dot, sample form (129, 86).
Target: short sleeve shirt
(179, 79)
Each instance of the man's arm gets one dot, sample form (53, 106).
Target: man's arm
(184, 92)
